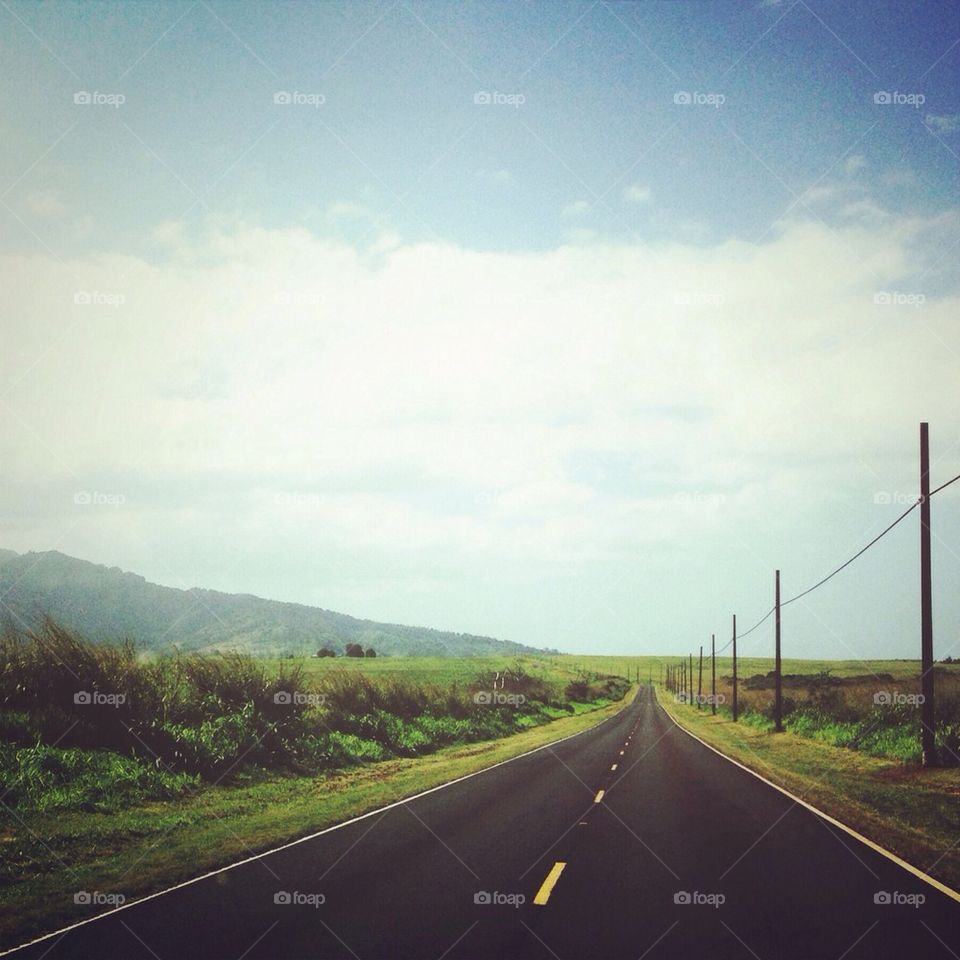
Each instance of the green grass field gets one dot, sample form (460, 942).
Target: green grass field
(463, 670)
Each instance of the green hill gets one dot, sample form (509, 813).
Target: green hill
(106, 604)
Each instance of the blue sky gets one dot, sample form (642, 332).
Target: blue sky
(577, 366)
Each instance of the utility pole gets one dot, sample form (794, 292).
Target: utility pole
(713, 674)
(927, 713)
(734, 668)
(700, 681)
(691, 675)
(778, 692)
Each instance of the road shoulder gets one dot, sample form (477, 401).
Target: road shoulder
(908, 811)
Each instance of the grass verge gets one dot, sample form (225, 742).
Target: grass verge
(912, 811)
(150, 847)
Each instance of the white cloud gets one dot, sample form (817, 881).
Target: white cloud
(498, 178)
(576, 208)
(637, 193)
(465, 409)
(855, 163)
(46, 203)
(168, 233)
(900, 177)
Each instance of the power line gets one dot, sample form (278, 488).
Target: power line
(947, 484)
(843, 565)
(847, 563)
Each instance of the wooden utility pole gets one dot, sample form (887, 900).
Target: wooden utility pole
(927, 713)
(778, 691)
(700, 681)
(691, 677)
(734, 668)
(713, 673)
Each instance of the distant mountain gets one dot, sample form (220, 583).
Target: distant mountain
(105, 604)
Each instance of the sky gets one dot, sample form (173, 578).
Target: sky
(562, 322)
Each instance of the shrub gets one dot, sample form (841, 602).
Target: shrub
(49, 778)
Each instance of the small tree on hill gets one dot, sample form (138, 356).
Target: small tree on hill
(325, 652)
(370, 652)
(354, 650)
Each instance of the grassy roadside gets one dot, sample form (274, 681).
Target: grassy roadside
(150, 847)
(909, 810)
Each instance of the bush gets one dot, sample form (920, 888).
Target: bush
(48, 778)
(212, 716)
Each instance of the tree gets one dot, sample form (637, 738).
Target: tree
(354, 650)
(370, 652)
(325, 652)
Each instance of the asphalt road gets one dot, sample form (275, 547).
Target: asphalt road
(764, 877)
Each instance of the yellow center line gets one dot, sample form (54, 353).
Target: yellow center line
(546, 888)
(598, 797)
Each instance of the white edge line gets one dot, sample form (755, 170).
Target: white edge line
(311, 836)
(872, 844)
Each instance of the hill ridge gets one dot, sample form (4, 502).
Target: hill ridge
(107, 603)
